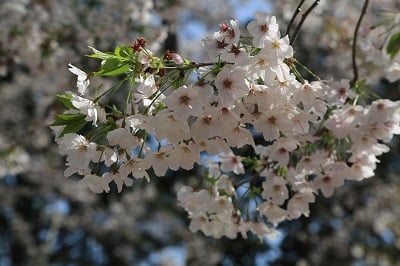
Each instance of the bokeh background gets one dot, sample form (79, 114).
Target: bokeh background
(46, 219)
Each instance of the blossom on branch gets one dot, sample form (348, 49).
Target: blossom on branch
(262, 132)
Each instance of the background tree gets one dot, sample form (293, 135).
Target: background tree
(45, 219)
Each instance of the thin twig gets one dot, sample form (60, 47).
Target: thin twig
(298, 10)
(190, 66)
(315, 76)
(303, 18)
(354, 46)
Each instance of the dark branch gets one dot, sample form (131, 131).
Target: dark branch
(298, 10)
(303, 18)
(354, 46)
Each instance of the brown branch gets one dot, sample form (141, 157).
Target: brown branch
(298, 10)
(303, 18)
(354, 46)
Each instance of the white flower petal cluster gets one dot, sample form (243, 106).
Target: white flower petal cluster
(307, 138)
(92, 110)
(83, 81)
(79, 151)
(386, 65)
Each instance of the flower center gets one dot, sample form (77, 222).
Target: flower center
(160, 155)
(184, 99)
(326, 179)
(82, 148)
(264, 28)
(276, 45)
(227, 84)
(380, 107)
(262, 63)
(306, 88)
(207, 120)
(272, 120)
(234, 160)
(282, 151)
(221, 44)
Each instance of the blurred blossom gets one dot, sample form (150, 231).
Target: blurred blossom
(13, 161)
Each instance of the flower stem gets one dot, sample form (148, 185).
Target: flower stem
(298, 10)
(354, 46)
(303, 18)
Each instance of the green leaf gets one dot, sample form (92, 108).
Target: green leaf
(72, 122)
(65, 99)
(99, 133)
(63, 119)
(113, 67)
(255, 191)
(126, 52)
(100, 55)
(282, 171)
(123, 52)
(255, 51)
(210, 179)
(393, 46)
(116, 111)
(117, 51)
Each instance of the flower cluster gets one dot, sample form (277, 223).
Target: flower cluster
(264, 133)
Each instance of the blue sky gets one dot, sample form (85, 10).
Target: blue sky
(243, 11)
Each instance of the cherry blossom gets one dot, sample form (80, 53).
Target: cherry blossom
(228, 34)
(231, 163)
(83, 81)
(275, 190)
(206, 126)
(119, 177)
(261, 28)
(92, 110)
(135, 166)
(298, 204)
(79, 151)
(268, 141)
(159, 160)
(185, 155)
(273, 212)
(231, 85)
(331, 177)
(122, 137)
(96, 183)
(184, 102)
(145, 89)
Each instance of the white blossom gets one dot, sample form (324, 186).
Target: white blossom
(82, 79)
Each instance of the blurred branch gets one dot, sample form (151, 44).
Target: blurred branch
(298, 10)
(44, 250)
(354, 46)
(303, 18)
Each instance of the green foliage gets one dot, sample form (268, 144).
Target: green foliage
(113, 67)
(282, 171)
(364, 91)
(65, 99)
(100, 55)
(251, 163)
(99, 134)
(393, 46)
(72, 122)
(114, 63)
(210, 179)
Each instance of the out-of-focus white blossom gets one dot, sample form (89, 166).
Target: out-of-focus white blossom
(13, 161)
